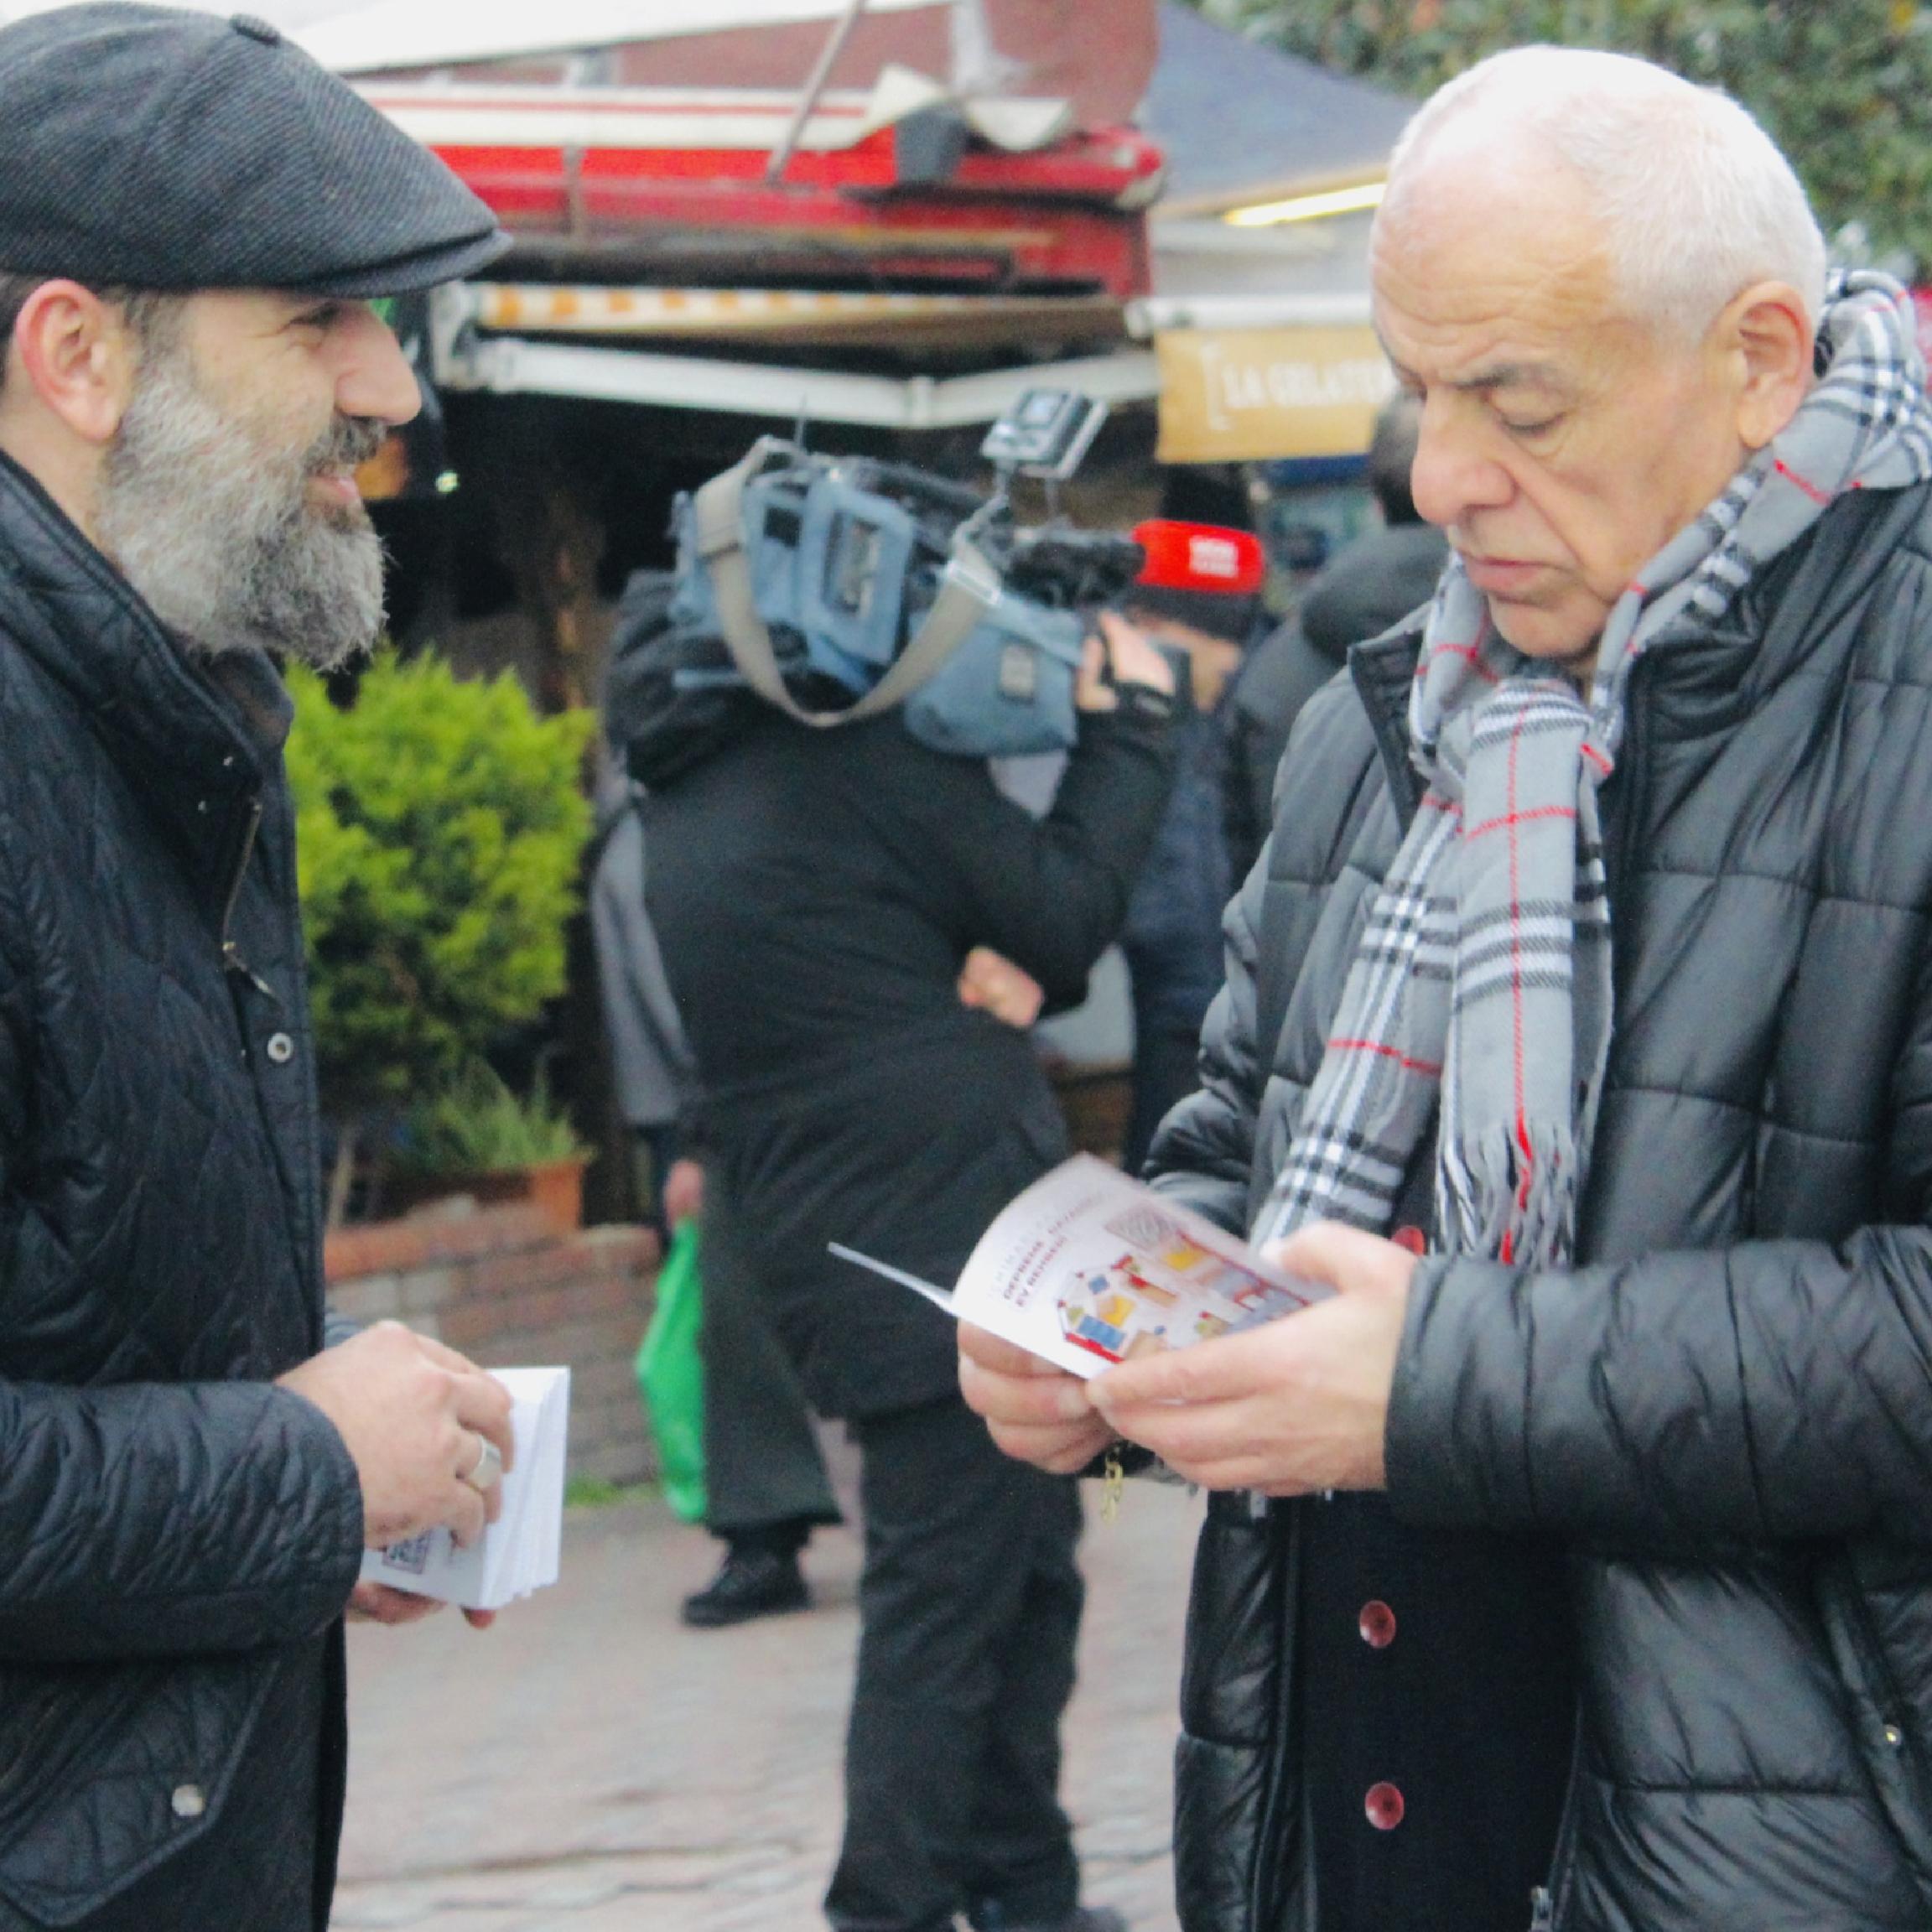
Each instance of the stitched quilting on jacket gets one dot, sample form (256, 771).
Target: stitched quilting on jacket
(1725, 1409)
(181, 1538)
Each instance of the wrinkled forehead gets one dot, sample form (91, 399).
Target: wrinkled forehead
(1491, 254)
(1471, 186)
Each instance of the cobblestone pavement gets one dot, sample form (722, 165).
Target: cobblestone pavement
(591, 1766)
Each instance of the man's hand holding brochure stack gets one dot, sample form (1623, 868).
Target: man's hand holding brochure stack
(518, 1552)
(1096, 1309)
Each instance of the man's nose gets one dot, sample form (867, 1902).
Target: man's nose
(1456, 472)
(373, 379)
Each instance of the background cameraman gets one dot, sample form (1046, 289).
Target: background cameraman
(818, 895)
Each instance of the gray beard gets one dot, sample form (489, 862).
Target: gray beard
(213, 526)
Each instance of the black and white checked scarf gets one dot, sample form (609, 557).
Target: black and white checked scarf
(1483, 971)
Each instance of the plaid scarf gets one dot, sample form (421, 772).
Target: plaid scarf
(1482, 977)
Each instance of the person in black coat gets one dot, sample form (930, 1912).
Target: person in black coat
(765, 1486)
(1197, 597)
(1569, 1566)
(818, 895)
(188, 1478)
(1375, 582)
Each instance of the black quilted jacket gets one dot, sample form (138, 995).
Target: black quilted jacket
(179, 1538)
(1726, 1408)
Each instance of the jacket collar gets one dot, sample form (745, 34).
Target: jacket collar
(1701, 679)
(195, 750)
(1383, 669)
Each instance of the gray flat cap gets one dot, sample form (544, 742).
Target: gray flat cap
(152, 148)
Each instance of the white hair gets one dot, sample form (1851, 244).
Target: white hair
(1696, 201)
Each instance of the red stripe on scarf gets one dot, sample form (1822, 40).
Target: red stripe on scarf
(1791, 476)
(1375, 1046)
(1518, 819)
(1471, 654)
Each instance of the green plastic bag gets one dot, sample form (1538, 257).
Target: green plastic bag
(671, 1376)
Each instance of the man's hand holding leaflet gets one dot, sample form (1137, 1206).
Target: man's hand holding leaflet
(1294, 1408)
(1208, 1401)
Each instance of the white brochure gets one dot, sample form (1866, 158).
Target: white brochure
(1090, 1268)
(517, 1553)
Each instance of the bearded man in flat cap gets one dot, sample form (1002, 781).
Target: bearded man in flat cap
(1572, 1565)
(192, 214)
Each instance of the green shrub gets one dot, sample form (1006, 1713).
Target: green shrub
(474, 1124)
(441, 825)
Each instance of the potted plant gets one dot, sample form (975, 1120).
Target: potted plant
(475, 1135)
(441, 825)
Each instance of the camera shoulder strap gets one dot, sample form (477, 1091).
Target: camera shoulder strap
(967, 589)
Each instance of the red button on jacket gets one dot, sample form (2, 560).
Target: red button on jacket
(1377, 1624)
(1413, 1239)
(1383, 1805)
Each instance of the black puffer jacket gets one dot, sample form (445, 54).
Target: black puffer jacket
(1377, 581)
(1726, 1408)
(179, 1538)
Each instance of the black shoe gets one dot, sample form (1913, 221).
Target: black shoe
(750, 1582)
(1081, 1918)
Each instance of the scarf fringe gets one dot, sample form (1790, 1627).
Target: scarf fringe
(1487, 1207)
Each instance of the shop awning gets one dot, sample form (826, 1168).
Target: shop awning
(464, 359)
(797, 317)
(415, 33)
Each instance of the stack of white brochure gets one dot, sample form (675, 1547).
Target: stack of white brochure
(518, 1552)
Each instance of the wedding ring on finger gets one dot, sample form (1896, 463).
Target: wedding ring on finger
(488, 1472)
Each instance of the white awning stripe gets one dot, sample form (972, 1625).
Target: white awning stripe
(508, 365)
(637, 119)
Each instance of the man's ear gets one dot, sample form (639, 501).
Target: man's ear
(77, 354)
(1765, 329)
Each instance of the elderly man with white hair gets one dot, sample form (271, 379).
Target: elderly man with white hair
(1572, 1565)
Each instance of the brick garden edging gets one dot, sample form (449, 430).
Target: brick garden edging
(504, 1286)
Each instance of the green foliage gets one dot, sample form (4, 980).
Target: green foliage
(596, 1492)
(440, 823)
(474, 1124)
(1845, 90)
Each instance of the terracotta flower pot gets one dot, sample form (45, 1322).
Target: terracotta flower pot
(554, 1187)
(557, 1187)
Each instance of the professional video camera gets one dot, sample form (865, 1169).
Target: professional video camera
(843, 586)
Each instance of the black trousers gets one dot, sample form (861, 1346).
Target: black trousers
(969, 1607)
(762, 1469)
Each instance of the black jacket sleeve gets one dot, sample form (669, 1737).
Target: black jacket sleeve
(1052, 894)
(1775, 1390)
(151, 1520)
(155, 1519)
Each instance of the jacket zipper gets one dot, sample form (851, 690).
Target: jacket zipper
(232, 959)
